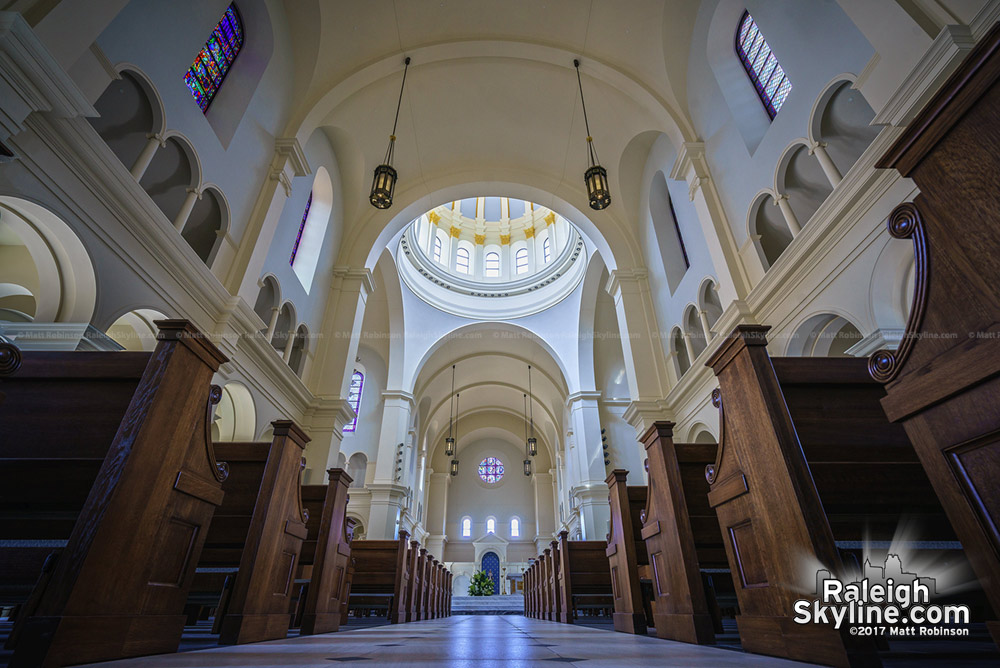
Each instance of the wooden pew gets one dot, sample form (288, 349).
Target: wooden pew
(806, 456)
(680, 530)
(416, 581)
(943, 383)
(326, 553)
(256, 537)
(107, 465)
(552, 584)
(584, 578)
(380, 576)
(626, 552)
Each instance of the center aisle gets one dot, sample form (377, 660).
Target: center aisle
(473, 640)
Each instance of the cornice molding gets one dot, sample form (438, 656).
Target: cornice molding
(32, 80)
(941, 59)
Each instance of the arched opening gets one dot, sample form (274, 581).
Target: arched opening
(842, 120)
(802, 179)
(694, 331)
(235, 415)
(357, 468)
(708, 298)
(171, 175)
(679, 350)
(206, 225)
(268, 298)
(129, 110)
(136, 330)
(824, 335)
(769, 225)
(45, 272)
(300, 351)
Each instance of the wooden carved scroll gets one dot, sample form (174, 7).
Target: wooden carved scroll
(905, 223)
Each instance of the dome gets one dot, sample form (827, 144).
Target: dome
(495, 257)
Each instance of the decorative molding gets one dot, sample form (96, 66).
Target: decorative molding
(618, 278)
(363, 276)
(290, 148)
(480, 239)
(505, 240)
(866, 73)
(32, 80)
(433, 217)
(583, 395)
(529, 232)
(550, 219)
(640, 415)
(880, 338)
(939, 61)
(455, 231)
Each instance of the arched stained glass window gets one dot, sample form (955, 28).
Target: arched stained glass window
(437, 249)
(462, 261)
(521, 261)
(215, 59)
(491, 470)
(515, 527)
(466, 527)
(491, 525)
(354, 398)
(762, 66)
(302, 226)
(546, 250)
(492, 265)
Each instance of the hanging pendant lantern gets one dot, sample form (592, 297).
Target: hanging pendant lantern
(454, 467)
(384, 182)
(527, 467)
(527, 441)
(596, 177)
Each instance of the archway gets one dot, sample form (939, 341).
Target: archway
(490, 564)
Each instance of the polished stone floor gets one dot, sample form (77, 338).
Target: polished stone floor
(473, 640)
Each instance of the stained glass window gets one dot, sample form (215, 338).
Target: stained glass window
(521, 261)
(491, 470)
(302, 226)
(354, 398)
(215, 59)
(492, 264)
(762, 66)
(462, 261)
(546, 251)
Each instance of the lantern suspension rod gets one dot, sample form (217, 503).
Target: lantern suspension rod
(395, 122)
(531, 408)
(451, 402)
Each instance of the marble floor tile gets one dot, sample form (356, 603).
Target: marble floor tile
(483, 641)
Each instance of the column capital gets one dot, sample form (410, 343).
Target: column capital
(641, 414)
(400, 397)
(358, 278)
(618, 279)
(690, 160)
(584, 395)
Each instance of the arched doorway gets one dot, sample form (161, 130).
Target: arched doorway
(491, 565)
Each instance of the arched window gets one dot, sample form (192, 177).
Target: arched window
(215, 59)
(492, 265)
(302, 226)
(462, 261)
(354, 398)
(762, 66)
(466, 527)
(546, 250)
(437, 249)
(515, 527)
(521, 261)
(491, 525)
